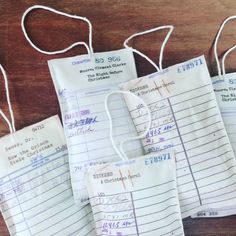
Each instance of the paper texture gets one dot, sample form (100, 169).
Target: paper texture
(225, 91)
(35, 189)
(186, 118)
(136, 197)
(81, 87)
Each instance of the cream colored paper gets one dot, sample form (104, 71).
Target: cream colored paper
(136, 197)
(82, 83)
(186, 118)
(35, 189)
(225, 91)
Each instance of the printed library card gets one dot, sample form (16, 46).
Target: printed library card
(82, 84)
(225, 91)
(35, 189)
(186, 118)
(136, 197)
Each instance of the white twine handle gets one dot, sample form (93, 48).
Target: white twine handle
(216, 43)
(11, 124)
(121, 152)
(89, 48)
(170, 27)
(224, 58)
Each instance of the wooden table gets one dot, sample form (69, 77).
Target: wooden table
(31, 88)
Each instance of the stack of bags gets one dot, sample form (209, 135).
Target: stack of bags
(136, 156)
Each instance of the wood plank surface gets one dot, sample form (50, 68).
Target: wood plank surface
(31, 87)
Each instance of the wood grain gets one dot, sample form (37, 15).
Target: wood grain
(32, 91)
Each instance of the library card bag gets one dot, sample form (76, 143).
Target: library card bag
(135, 196)
(186, 118)
(35, 189)
(225, 90)
(81, 83)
